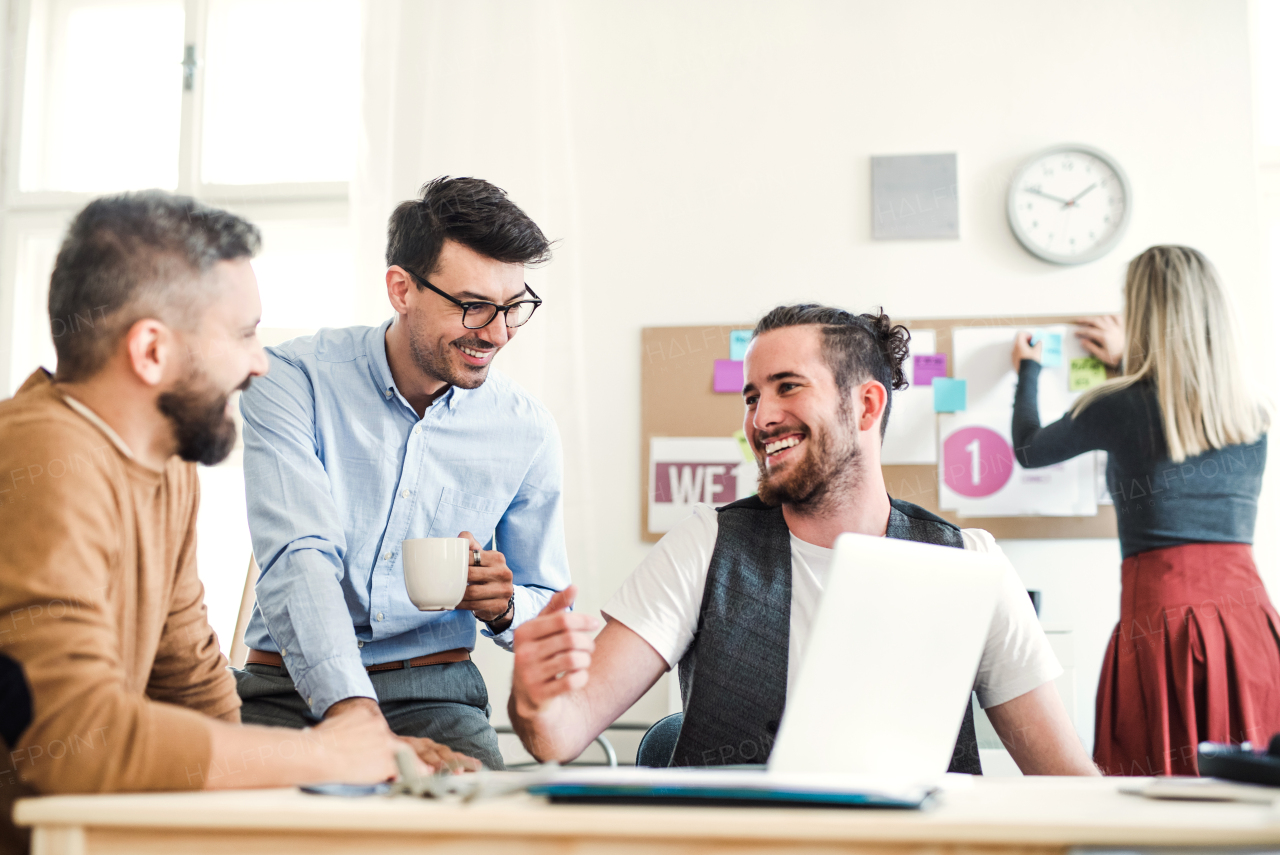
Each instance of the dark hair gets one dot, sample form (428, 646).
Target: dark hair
(132, 256)
(855, 346)
(472, 212)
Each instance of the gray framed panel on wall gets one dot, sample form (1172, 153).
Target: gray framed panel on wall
(914, 197)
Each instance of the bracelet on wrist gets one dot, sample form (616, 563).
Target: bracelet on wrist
(509, 610)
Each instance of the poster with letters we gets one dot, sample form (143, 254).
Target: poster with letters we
(684, 471)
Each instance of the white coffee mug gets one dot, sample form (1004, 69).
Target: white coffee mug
(435, 571)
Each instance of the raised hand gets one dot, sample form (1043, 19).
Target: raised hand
(552, 654)
(1024, 349)
(1103, 337)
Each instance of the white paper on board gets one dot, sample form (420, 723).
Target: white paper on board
(982, 357)
(912, 434)
(684, 471)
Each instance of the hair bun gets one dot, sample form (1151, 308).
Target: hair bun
(894, 340)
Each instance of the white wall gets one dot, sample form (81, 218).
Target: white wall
(720, 165)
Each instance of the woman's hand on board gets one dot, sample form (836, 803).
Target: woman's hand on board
(1024, 349)
(1103, 337)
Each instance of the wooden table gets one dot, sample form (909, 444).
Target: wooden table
(1011, 815)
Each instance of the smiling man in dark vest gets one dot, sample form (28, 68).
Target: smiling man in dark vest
(729, 595)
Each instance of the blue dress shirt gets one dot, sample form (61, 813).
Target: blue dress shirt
(339, 470)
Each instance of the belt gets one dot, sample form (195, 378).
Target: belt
(458, 654)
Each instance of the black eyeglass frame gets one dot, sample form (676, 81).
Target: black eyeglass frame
(470, 304)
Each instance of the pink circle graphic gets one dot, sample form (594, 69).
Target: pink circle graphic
(976, 462)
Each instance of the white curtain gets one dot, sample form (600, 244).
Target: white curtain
(479, 89)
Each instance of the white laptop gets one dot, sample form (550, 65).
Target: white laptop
(891, 659)
(874, 715)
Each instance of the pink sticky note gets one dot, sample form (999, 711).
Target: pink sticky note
(928, 366)
(728, 376)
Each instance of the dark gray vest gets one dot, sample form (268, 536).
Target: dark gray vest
(733, 678)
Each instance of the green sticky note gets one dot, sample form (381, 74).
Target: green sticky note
(1086, 373)
(745, 446)
(949, 395)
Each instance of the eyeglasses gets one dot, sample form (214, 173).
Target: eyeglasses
(478, 314)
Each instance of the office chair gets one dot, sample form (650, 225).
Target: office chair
(659, 742)
(239, 652)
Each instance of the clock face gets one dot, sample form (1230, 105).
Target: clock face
(1069, 205)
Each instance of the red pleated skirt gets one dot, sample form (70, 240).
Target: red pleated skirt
(1194, 658)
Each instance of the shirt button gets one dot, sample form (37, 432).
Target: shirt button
(406, 494)
(386, 556)
(284, 651)
(308, 701)
(379, 615)
(388, 393)
(417, 428)
(359, 644)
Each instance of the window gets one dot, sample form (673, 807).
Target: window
(278, 112)
(102, 97)
(204, 97)
(251, 105)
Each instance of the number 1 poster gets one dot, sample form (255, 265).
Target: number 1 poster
(978, 472)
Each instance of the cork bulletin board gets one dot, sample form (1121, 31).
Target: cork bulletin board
(676, 399)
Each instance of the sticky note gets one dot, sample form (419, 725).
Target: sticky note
(1085, 374)
(728, 376)
(948, 395)
(1051, 356)
(928, 366)
(747, 454)
(738, 341)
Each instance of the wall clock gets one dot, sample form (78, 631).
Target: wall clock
(1069, 204)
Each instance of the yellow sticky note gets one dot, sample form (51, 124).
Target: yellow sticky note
(1085, 374)
(747, 454)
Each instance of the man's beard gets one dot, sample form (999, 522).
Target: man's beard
(198, 413)
(829, 465)
(437, 364)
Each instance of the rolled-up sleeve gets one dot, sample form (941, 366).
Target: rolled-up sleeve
(531, 535)
(298, 539)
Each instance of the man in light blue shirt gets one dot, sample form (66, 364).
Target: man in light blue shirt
(360, 438)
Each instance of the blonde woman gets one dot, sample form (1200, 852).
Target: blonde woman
(1196, 654)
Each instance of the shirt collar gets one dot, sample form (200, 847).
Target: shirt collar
(377, 350)
(101, 425)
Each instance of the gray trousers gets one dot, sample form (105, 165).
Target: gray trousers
(447, 703)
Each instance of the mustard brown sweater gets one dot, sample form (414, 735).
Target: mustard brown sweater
(109, 670)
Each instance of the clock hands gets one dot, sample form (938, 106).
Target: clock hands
(1040, 192)
(1066, 203)
(1076, 197)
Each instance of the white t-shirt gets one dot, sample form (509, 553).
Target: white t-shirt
(661, 599)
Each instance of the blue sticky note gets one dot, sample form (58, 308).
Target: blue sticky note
(738, 341)
(948, 395)
(1051, 356)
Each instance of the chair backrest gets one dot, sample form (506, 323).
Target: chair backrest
(239, 652)
(659, 742)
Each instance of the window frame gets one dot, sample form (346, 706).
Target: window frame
(190, 136)
(24, 211)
